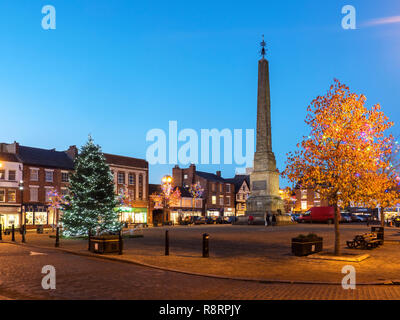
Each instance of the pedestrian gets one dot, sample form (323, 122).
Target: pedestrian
(251, 219)
(274, 220)
(266, 219)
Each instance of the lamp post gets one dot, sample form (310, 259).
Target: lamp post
(166, 188)
(23, 218)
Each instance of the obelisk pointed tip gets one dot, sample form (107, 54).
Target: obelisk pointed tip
(263, 51)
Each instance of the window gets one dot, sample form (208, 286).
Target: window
(304, 193)
(12, 175)
(221, 200)
(34, 173)
(316, 195)
(140, 186)
(131, 179)
(2, 195)
(317, 203)
(185, 176)
(48, 176)
(221, 188)
(304, 205)
(213, 187)
(228, 188)
(228, 200)
(33, 194)
(47, 192)
(214, 199)
(11, 195)
(199, 203)
(64, 176)
(121, 177)
(2, 174)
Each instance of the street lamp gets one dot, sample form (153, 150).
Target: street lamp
(21, 189)
(166, 188)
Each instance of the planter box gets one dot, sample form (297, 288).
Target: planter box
(105, 244)
(304, 247)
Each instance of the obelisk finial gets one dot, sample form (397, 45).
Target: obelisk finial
(263, 50)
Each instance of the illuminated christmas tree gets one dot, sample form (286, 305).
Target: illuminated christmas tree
(91, 200)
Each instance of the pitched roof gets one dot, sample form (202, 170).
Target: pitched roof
(125, 161)
(11, 157)
(238, 180)
(154, 188)
(210, 176)
(45, 157)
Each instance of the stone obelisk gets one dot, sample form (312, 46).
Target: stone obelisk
(264, 180)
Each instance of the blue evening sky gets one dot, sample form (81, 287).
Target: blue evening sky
(117, 69)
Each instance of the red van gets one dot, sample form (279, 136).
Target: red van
(318, 214)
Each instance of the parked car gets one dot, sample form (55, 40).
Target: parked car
(345, 216)
(232, 219)
(222, 220)
(396, 221)
(359, 217)
(211, 220)
(295, 217)
(200, 220)
(188, 220)
(318, 214)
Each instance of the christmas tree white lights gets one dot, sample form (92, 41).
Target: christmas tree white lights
(89, 207)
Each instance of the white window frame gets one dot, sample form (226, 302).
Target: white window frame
(31, 188)
(46, 171)
(36, 170)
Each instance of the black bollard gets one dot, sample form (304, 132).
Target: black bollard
(90, 234)
(206, 248)
(23, 234)
(1, 232)
(166, 243)
(12, 233)
(57, 237)
(120, 243)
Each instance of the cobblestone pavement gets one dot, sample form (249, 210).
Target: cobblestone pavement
(90, 278)
(253, 252)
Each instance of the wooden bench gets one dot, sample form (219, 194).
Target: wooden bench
(365, 241)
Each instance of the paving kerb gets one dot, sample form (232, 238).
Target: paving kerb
(266, 281)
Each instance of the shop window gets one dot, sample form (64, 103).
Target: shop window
(40, 217)
(12, 175)
(11, 196)
(2, 195)
(34, 174)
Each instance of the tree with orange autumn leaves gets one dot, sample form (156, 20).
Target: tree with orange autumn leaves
(346, 148)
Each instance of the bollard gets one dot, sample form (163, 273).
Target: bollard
(205, 245)
(166, 243)
(90, 234)
(1, 232)
(120, 243)
(23, 234)
(12, 233)
(57, 237)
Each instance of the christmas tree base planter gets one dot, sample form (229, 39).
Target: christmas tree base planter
(105, 244)
(306, 245)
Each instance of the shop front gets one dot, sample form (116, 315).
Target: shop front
(213, 213)
(228, 212)
(36, 216)
(132, 215)
(9, 215)
(180, 215)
